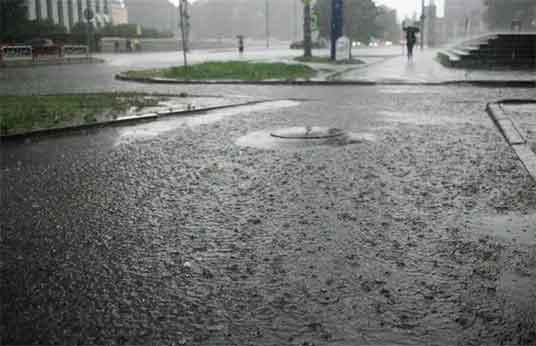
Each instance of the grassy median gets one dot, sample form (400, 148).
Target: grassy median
(327, 60)
(230, 70)
(25, 113)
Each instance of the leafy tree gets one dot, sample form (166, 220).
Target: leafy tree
(131, 30)
(14, 24)
(12, 18)
(500, 13)
(81, 28)
(388, 27)
(229, 18)
(359, 19)
(42, 28)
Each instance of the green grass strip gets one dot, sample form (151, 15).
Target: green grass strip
(327, 60)
(18, 113)
(230, 70)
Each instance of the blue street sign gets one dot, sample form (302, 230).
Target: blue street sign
(336, 25)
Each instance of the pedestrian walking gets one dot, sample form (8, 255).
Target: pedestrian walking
(411, 39)
(240, 44)
(136, 45)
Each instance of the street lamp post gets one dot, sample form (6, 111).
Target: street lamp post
(182, 17)
(267, 22)
(295, 38)
(423, 16)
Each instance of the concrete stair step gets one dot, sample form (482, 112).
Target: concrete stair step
(501, 50)
(460, 52)
(471, 47)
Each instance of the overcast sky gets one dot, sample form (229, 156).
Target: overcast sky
(404, 7)
(407, 7)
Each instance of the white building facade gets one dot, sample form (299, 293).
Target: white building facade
(464, 18)
(119, 13)
(68, 12)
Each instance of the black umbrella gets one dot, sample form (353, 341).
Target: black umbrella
(413, 29)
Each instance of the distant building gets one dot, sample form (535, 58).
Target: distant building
(156, 14)
(431, 35)
(387, 20)
(119, 12)
(68, 12)
(464, 18)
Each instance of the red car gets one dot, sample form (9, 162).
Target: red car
(44, 46)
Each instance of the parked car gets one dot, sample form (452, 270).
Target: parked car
(43, 46)
(315, 45)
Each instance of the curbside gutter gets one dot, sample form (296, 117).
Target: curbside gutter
(117, 122)
(479, 83)
(511, 133)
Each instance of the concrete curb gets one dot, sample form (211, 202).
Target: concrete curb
(116, 122)
(480, 83)
(52, 62)
(511, 133)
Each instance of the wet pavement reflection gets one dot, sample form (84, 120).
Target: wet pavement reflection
(193, 231)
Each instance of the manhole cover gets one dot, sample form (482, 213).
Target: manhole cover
(307, 132)
(281, 139)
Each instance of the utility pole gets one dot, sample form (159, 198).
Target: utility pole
(423, 16)
(295, 23)
(183, 17)
(307, 49)
(267, 22)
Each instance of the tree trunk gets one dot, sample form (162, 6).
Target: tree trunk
(307, 44)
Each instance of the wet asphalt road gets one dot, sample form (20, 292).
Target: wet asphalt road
(172, 233)
(100, 77)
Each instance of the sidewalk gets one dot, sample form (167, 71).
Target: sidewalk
(425, 69)
(381, 66)
(515, 120)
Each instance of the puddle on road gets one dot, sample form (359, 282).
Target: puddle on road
(520, 228)
(417, 118)
(409, 89)
(266, 140)
(178, 104)
(307, 133)
(527, 108)
(167, 124)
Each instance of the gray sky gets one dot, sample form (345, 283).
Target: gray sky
(404, 7)
(407, 7)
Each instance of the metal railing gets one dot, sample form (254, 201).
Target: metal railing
(23, 52)
(15, 52)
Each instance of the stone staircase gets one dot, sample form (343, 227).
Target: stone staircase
(492, 51)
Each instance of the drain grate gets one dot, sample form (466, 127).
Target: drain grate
(307, 132)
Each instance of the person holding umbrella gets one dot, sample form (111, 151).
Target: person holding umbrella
(411, 38)
(240, 44)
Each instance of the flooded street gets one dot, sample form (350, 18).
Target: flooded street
(413, 226)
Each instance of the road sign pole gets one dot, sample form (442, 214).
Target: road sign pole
(336, 25)
(88, 14)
